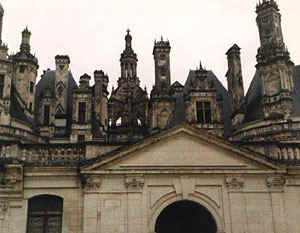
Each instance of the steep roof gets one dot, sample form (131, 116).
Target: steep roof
(48, 82)
(254, 97)
(16, 110)
(221, 91)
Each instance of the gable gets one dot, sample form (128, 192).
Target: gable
(183, 147)
(183, 151)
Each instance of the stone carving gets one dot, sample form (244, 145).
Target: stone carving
(3, 207)
(235, 182)
(9, 178)
(92, 183)
(276, 182)
(134, 182)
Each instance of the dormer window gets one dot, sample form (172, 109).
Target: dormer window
(46, 114)
(1, 85)
(203, 112)
(81, 112)
(31, 86)
(81, 138)
(22, 68)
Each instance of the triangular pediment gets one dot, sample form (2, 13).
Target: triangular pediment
(185, 148)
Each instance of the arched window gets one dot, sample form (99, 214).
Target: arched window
(45, 214)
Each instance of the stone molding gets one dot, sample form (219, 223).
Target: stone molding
(134, 182)
(275, 182)
(234, 182)
(92, 183)
(4, 205)
(11, 179)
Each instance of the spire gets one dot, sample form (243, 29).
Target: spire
(128, 39)
(200, 67)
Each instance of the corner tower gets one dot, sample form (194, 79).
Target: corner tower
(273, 62)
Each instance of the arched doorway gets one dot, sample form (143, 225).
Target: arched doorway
(185, 217)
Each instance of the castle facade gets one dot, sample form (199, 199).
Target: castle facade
(185, 157)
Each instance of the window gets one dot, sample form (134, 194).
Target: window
(45, 214)
(81, 112)
(46, 114)
(1, 85)
(81, 138)
(203, 112)
(22, 68)
(31, 86)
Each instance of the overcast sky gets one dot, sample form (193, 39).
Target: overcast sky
(92, 33)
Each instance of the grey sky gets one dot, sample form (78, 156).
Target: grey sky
(92, 33)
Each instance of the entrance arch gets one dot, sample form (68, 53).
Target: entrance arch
(185, 216)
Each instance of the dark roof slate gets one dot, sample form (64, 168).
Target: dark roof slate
(48, 82)
(16, 109)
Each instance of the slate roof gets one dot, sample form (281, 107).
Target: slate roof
(48, 82)
(254, 97)
(176, 84)
(16, 109)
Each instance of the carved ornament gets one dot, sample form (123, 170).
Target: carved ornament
(92, 183)
(234, 182)
(276, 182)
(134, 182)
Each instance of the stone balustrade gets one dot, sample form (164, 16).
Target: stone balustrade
(45, 154)
(20, 134)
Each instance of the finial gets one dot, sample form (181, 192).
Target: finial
(128, 31)
(161, 38)
(200, 67)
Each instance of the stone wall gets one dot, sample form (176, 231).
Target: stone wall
(254, 203)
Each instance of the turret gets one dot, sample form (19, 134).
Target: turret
(5, 77)
(101, 100)
(161, 53)
(277, 83)
(128, 104)
(1, 21)
(84, 81)
(25, 69)
(235, 82)
(25, 45)
(128, 59)
(162, 103)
